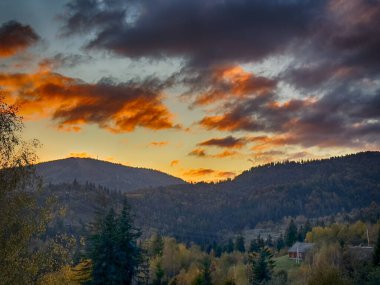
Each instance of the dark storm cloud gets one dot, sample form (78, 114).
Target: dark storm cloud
(15, 37)
(202, 31)
(344, 47)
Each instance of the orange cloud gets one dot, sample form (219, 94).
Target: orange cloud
(159, 144)
(73, 103)
(266, 142)
(224, 154)
(80, 155)
(174, 163)
(198, 152)
(202, 153)
(226, 174)
(15, 38)
(199, 172)
(233, 81)
(207, 174)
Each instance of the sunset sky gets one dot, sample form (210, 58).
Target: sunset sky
(199, 89)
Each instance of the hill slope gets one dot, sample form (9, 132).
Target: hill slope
(269, 192)
(110, 175)
(266, 193)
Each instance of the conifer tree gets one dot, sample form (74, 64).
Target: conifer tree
(262, 265)
(239, 244)
(280, 244)
(204, 278)
(291, 233)
(113, 249)
(230, 246)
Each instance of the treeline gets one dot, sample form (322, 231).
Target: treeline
(346, 188)
(313, 189)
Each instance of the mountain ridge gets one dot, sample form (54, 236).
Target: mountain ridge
(103, 173)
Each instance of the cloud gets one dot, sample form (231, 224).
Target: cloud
(15, 37)
(207, 174)
(63, 60)
(174, 163)
(200, 152)
(229, 141)
(224, 154)
(201, 31)
(72, 103)
(219, 83)
(199, 172)
(159, 144)
(80, 155)
(226, 174)
(331, 46)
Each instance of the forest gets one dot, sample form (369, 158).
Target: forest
(73, 233)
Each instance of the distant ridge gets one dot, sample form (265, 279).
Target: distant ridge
(268, 193)
(107, 174)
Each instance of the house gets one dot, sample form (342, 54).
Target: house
(362, 253)
(299, 249)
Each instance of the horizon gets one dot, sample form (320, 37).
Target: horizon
(123, 82)
(218, 181)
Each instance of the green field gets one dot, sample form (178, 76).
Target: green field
(284, 263)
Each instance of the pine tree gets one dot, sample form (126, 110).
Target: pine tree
(129, 254)
(204, 278)
(269, 241)
(280, 244)
(291, 233)
(239, 244)
(254, 247)
(113, 249)
(230, 246)
(301, 234)
(262, 266)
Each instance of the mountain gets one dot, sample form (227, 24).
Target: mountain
(266, 193)
(110, 175)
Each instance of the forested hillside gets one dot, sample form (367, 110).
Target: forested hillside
(111, 175)
(269, 192)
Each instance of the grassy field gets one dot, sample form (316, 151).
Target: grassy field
(284, 263)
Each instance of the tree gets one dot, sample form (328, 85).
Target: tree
(230, 246)
(24, 213)
(159, 276)
(253, 246)
(239, 244)
(291, 233)
(157, 245)
(204, 278)
(113, 249)
(261, 266)
(269, 241)
(376, 253)
(280, 243)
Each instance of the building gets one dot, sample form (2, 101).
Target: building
(299, 249)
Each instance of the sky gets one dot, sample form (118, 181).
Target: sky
(202, 90)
